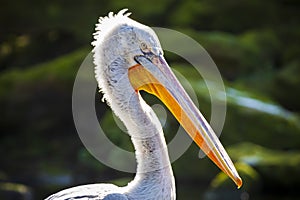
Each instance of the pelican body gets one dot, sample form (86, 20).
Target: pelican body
(129, 58)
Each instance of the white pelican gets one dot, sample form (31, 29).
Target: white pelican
(129, 58)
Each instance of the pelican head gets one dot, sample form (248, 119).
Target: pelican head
(119, 44)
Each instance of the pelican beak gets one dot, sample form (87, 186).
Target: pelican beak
(153, 75)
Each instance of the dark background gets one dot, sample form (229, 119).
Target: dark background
(255, 45)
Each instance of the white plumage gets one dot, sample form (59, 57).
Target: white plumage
(121, 43)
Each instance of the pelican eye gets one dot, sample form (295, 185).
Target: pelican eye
(143, 46)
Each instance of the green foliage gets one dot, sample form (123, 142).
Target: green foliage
(275, 166)
(286, 86)
(252, 182)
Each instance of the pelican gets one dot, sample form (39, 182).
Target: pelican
(129, 58)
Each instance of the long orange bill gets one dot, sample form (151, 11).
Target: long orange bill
(155, 77)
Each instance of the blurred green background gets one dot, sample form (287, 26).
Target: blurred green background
(255, 45)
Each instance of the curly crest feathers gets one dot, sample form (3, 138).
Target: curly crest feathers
(105, 23)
